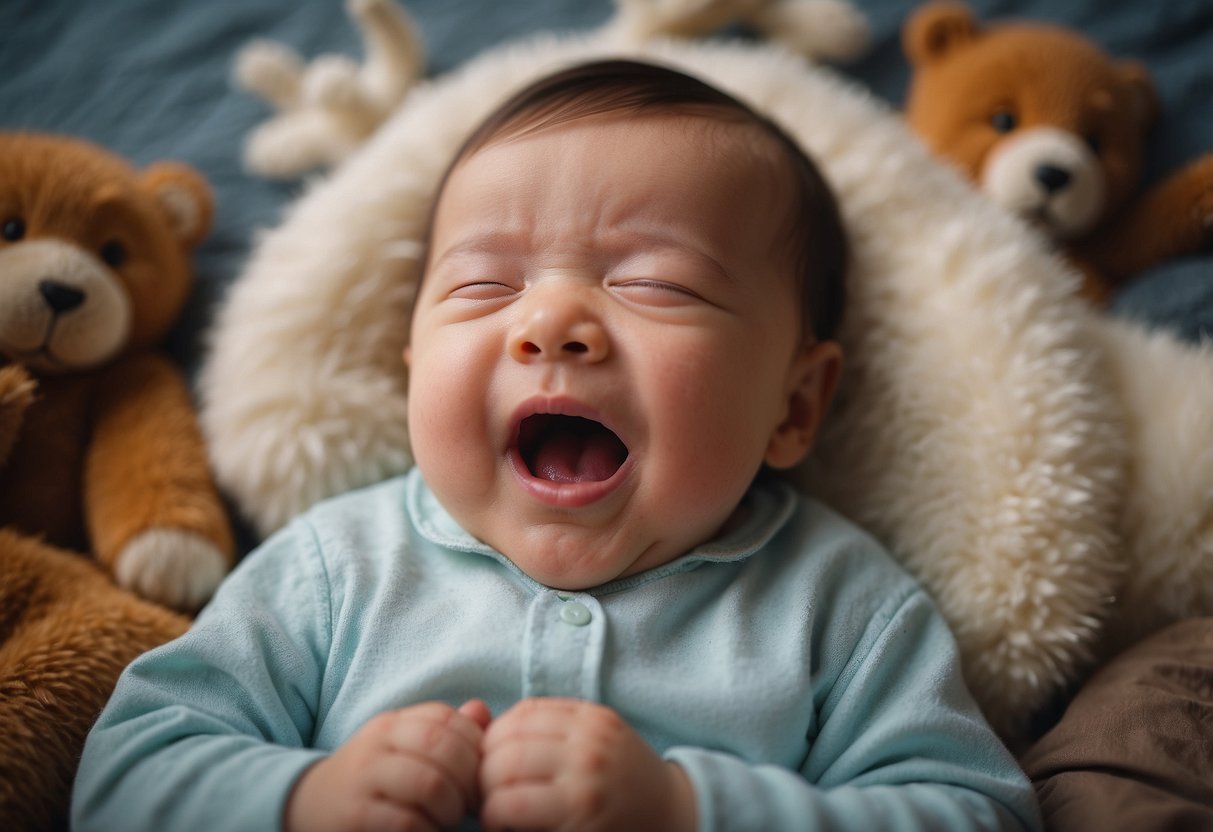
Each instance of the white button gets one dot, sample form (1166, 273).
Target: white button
(575, 613)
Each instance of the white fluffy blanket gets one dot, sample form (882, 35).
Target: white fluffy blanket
(1030, 461)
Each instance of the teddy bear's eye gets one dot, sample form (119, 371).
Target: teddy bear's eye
(1003, 121)
(14, 229)
(113, 253)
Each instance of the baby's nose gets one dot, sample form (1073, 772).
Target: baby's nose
(559, 332)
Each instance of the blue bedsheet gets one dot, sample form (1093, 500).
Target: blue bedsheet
(151, 79)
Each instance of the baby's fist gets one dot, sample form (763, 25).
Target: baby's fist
(414, 768)
(567, 764)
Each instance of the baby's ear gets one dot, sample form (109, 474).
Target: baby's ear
(812, 381)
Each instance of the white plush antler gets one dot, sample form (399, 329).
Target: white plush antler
(823, 30)
(818, 29)
(327, 108)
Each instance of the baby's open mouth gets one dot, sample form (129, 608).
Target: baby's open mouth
(565, 449)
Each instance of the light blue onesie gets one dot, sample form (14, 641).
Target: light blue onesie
(799, 676)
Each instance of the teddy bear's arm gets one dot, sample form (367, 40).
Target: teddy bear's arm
(154, 514)
(16, 395)
(1172, 219)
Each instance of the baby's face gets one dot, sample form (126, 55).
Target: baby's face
(607, 342)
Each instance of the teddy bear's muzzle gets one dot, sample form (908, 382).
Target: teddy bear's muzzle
(1048, 177)
(60, 308)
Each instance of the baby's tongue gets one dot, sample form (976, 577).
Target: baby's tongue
(573, 456)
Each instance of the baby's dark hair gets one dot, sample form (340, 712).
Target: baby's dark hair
(625, 86)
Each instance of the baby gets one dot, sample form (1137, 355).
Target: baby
(589, 606)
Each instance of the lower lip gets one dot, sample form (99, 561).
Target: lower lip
(566, 494)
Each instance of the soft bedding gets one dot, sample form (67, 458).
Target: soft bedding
(151, 79)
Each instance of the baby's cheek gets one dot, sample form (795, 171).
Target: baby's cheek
(433, 419)
(701, 491)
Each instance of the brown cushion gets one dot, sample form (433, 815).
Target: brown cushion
(1134, 750)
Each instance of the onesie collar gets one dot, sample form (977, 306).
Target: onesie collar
(765, 508)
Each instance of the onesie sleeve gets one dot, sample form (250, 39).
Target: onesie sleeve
(211, 730)
(900, 746)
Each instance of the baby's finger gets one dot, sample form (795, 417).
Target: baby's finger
(412, 782)
(443, 745)
(443, 714)
(478, 712)
(535, 759)
(539, 717)
(525, 806)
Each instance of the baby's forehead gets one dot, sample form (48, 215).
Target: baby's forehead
(719, 141)
(707, 173)
(712, 129)
(614, 156)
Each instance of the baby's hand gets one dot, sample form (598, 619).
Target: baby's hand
(414, 768)
(567, 764)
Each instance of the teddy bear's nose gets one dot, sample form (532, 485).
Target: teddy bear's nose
(1052, 177)
(59, 296)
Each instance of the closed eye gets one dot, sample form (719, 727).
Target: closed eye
(657, 292)
(482, 290)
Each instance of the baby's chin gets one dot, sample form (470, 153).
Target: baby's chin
(577, 550)
(573, 573)
(573, 559)
(576, 565)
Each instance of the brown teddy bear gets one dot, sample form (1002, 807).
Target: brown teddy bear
(1053, 128)
(100, 452)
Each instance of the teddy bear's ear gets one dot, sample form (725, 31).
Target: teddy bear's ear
(185, 198)
(1141, 87)
(936, 29)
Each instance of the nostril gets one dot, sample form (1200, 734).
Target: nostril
(59, 296)
(1052, 177)
(530, 348)
(575, 346)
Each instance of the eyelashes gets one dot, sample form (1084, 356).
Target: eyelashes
(643, 290)
(482, 290)
(656, 292)
(656, 285)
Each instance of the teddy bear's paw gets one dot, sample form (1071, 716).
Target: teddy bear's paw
(16, 395)
(177, 568)
(16, 387)
(1191, 185)
(1204, 212)
(821, 30)
(271, 71)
